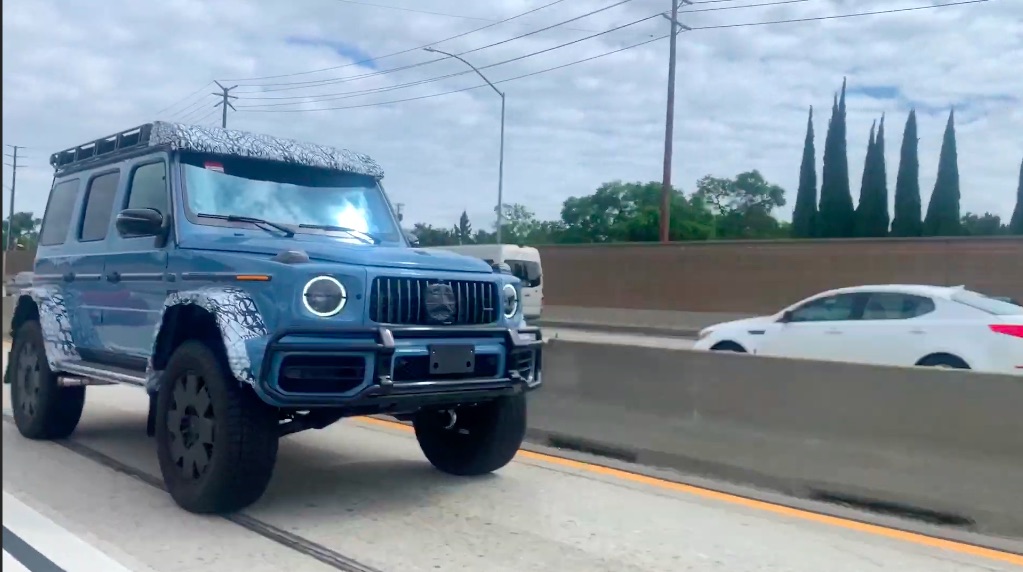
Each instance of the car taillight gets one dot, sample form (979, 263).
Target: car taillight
(1008, 329)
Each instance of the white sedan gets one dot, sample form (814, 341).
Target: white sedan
(897, 325)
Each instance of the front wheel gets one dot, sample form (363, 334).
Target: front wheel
(474, 440)
(216, 441)
(42, 408)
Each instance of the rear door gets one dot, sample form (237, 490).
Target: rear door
(894, 329)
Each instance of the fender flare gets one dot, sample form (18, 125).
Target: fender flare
(238, 319)
(62, 330)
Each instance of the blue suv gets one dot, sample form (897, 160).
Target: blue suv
(257, 287)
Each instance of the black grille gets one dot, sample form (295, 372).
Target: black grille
(523, 361)
(321, 374)
(402, 301)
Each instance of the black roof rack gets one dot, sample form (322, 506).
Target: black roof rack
(99, 149)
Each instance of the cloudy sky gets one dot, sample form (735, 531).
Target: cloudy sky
(75, 70)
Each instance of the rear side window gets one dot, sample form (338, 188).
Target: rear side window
(148, 188)
(58, 213)
(527, 271)
(896, 306)
(99, 206)
(986, 304)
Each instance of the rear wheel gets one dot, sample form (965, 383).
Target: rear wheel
(42, 408)
(476, 440)
(728, 347)
(944, 361)
(216, 441)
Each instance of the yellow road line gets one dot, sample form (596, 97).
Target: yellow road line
(764, 506)
(873, 529)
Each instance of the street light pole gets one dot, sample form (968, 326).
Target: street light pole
(500, 167)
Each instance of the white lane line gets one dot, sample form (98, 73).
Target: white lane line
(62, 549)
(11, 564)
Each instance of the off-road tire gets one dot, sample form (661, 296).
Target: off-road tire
(484, 438)
(42, 408)
(232, 462)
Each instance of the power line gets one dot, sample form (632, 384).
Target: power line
(346, 95)
(618, 50)
(400, 52)
(428, 12)
(288, 86)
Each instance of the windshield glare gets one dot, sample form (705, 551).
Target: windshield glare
(287, 194)
(987, 304)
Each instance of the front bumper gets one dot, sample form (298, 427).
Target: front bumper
(386, 387)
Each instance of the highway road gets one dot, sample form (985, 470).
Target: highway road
(359, 496)
(599, 337)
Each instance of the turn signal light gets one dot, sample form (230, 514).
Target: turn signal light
(1008, 329)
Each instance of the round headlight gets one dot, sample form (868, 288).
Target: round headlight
(324, 296)
(511, 300)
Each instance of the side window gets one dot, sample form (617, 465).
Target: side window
(148, 188)
(895, 306)
(830, 309)
(59, 210)
(527, 271)
(99, 207)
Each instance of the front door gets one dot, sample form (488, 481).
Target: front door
(136, 266)
(815, 330)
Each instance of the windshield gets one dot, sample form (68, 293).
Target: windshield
(287, 194)
(987, 304)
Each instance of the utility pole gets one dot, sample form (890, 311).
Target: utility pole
(225, 101)
(9, 240)
(500, 164)
(669, 121)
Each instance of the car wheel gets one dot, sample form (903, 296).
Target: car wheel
(476, 440)
(216, 441)
(944, 361)
(42, 408)
(728, 347)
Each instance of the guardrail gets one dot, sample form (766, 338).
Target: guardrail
(943, 445)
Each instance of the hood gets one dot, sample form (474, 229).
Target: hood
(743, 323)
(331, 249)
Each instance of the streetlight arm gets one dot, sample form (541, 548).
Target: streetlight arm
(466, 62)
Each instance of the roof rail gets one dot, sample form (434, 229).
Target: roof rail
(101, 148)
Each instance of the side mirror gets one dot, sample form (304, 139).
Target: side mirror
(412, 239)
(139, 222)
(786, 317)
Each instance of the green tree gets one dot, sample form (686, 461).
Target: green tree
(742, 206)
(943, 210)
(463, 230)
(872, 212)
(25, 230)
(1016, 223)
(805, 213)
(519, 223)
(431, 236)
(836, 215)
(982, 225)
(620, 211)
(907, 220)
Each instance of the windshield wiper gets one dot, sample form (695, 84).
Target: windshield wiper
(253, 220)
(356, 233)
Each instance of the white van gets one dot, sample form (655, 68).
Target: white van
(524, 262)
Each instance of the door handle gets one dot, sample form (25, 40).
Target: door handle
(69, 277)
(113, 277)
(917, 332)
(833, 332)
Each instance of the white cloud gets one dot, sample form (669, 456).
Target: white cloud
(74, 71)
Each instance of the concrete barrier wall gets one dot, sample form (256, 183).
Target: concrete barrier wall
(8, 312)
(947, 442)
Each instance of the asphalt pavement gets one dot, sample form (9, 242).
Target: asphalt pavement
(360, 496)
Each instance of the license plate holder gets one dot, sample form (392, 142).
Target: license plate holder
(449, 359)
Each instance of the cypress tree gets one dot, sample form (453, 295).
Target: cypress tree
(837, 215)
(872, 212)
(908, 210)
(943, 210)
(1016, 224)
(805, 214)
